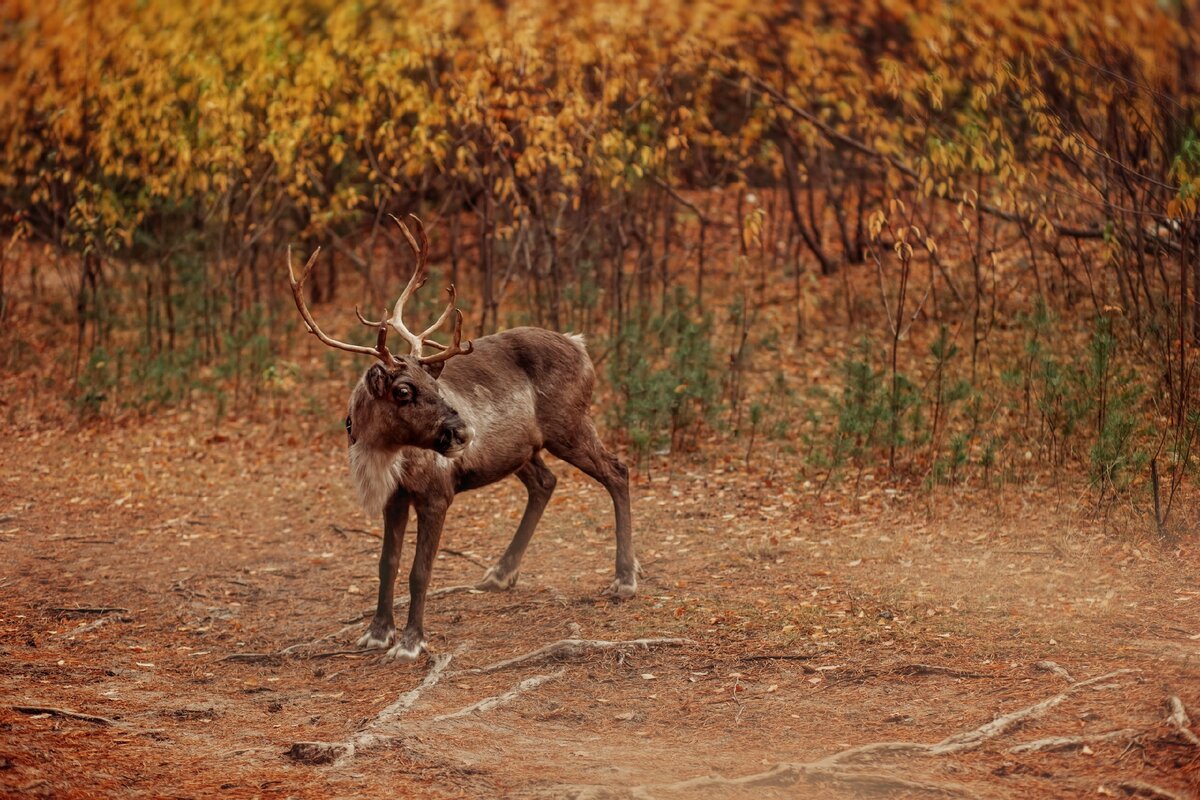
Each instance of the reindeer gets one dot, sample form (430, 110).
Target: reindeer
(423, 428)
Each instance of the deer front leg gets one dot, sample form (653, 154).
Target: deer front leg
(431, 515)
(395, 519)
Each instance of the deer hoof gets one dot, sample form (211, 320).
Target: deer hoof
(376, 638)
(406, 651)
(496, 581)
(623, 589)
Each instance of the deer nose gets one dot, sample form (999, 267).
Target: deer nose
(464, 435)
(454, 436)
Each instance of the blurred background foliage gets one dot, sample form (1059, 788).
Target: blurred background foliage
(980, 217)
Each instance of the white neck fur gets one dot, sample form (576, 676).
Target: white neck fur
(376, 474)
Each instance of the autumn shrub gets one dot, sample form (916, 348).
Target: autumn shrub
(867, 418)
(775, 416)
(663, 377)
(1114, 395)
(96, 382)
(950, 442)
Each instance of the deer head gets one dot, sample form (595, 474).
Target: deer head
(396, 402)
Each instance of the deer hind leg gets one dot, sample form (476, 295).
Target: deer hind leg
(588, 454)
(539, 482)
(395, 519)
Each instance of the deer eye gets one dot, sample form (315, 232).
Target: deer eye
(402, 394)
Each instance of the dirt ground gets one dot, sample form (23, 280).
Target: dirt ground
(154, 573)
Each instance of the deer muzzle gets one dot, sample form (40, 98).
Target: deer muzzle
(454, 436)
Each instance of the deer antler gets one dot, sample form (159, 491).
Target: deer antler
(420, 248)
(455, 347)
(380, 350)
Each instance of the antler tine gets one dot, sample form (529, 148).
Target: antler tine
(380, 350)
(455, 347)
(450, 307)
(421, 251)
(368, 322)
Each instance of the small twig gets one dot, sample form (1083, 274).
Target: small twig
(488, 703)
(476, 561)
(243, 750)
(934, 669)
(1181, 722)
(781, 657)
(65, 712)
(910, 669)
(364, 532)
(569, 648)
(91, 626)
(253, 658)
(1141, 789)
(366, 651)
(89, 610)
(1050, 666)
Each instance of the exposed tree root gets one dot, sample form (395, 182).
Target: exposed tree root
(1002, 724)
(1181, 722)
(1057, 743)
(488, 703)
(370, 735)
(571, 648)
(786, 775)
(839, 767)
(410, 698)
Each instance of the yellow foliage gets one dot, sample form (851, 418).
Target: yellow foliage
(120, 113)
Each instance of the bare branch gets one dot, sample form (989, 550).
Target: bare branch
(66, 713)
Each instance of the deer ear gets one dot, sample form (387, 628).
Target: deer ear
(434, 369)
(377, 381)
